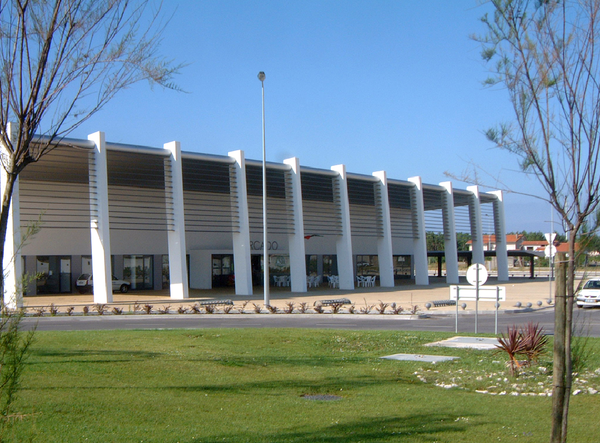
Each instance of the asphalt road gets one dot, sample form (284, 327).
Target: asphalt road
(587, 321)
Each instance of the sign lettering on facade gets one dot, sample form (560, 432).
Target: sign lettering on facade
(258, 246)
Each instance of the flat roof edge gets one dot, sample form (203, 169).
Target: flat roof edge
(122, 147)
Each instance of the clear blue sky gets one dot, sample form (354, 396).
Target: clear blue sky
(376, 85)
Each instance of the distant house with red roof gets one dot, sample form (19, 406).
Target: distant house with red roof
(513, 242)
(517, 242)
(564, 247)
(533, 245)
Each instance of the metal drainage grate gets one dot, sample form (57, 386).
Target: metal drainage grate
(322, 397)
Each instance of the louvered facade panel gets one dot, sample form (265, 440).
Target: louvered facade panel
(57, 205)
(209, 212)
(138, 209)
(402, 223)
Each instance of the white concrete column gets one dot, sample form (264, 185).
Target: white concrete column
(13, 268)
(175, 222)
(476, 230)
(296, 240)
(450, 246)
(384, 242)
(241, 236)
(500, 230)
(420, 237)
(344, 241)
(99, 220)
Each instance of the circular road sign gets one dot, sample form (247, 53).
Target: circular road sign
(473, 277)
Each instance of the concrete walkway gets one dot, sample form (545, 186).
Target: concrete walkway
(405, 294)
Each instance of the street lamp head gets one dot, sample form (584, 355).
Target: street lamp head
(261, 76)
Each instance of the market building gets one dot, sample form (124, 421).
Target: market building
(170, 218)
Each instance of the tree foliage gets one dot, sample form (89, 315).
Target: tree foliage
(544, 54)
(61, 62)
(461, 239)
(435, 241)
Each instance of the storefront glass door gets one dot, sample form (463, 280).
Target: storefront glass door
(139, 270)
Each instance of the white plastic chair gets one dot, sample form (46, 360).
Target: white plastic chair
(318, 280)
(360, 281)
(334, 281)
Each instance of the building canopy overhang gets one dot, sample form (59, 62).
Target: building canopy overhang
(468, 255)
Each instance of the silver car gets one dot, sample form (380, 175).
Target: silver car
(589, 295)
(85, 284)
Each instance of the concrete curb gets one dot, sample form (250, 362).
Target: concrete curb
(488, 312)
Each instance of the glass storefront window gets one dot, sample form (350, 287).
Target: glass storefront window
(330, 265)
(367, 265)
(139, 270)
(402, 266)
(311, 265)
(166, 276)
(279, 264)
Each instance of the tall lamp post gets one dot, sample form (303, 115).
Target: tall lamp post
(261, 77)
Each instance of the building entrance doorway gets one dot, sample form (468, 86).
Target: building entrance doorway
(139, 270)
(257, 270)
(222, 270)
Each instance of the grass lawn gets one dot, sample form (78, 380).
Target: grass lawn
(247, 385)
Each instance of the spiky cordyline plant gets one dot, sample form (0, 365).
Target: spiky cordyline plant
(535, 341)
(513, 345)
(528, 341)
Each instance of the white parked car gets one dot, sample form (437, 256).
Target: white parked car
(589, 295)
(85, 283)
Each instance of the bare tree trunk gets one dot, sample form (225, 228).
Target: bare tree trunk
(4, 214)
(559, 368)
(569, 330)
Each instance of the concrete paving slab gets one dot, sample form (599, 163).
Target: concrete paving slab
(482, 343)
(419, 357)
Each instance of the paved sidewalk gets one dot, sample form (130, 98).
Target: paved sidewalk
(405, 294)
